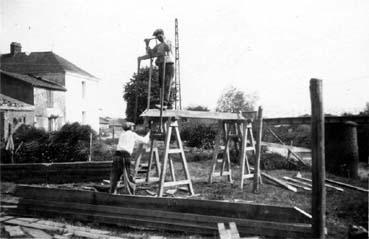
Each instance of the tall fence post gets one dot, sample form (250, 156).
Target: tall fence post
(90, 155)
(256, 188)
(318, 202)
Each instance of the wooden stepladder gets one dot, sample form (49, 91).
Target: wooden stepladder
(154, 153)
(225, 162)
(248, 145)
(173, 126)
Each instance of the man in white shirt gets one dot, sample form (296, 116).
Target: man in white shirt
(122, 159)
(164, 55)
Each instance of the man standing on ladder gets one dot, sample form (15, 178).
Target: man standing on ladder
(164, 60)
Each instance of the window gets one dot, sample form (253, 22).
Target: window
(49, 99)
(83, 117)
(51, 124)
(83, 89)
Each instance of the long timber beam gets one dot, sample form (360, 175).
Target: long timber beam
(189, 215)
(155, 113)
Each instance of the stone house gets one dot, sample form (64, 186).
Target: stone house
(29, 100)
(77, 104)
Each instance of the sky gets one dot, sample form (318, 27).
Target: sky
(271, 48)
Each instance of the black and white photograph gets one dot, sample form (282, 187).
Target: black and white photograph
(184, 119)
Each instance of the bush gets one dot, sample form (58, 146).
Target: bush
(199, 136)
(31, 143)
(70, 143)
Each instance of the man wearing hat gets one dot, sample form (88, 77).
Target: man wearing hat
(122, 158)
(164, 59)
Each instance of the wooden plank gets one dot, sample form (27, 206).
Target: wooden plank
(298, 185)
(155, 113)
(223, 232)
(326, 184)
(14, 231)
(256, 185)
(174, 151)
(175, 183)
(234, 231)
(318, 202)
(5, 218)
(297, 181)
(168, 220)
(206, 207)
(279, 182)
(347, 185)
(37, 233)
(34, 225)
(93, 235)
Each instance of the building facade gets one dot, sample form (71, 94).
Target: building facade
(77, 104)
(44, 97)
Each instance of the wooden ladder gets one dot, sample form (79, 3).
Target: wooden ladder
(225, 162)
(154, 153)
(173, 126)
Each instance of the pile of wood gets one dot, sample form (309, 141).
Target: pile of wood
(26, 227)
(189, 215)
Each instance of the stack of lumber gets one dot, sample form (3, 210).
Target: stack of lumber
(189, 215)
(55, 172)
(27, 227)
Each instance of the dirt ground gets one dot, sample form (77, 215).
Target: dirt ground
(343, 208)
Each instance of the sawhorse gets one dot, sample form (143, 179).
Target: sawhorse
(154, 153)
(172, 125)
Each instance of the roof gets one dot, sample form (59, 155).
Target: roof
(35, 81)
(155, 113)
(9, 103)
(39, 62)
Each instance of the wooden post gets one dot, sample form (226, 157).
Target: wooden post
(90, 156)
(149, 86)
(318, 161)
(258, 151)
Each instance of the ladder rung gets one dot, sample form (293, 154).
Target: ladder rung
(219, 160)
(250, 148)
(174, 151)
(246, 176)
(224, 174)
(233, 135)
(175, 183)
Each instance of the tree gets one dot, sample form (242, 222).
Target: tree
(138, 86)
(198, 108)
(234, 100)
(366, 110)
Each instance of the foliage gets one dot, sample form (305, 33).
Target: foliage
(197, 108)
(199, 136)
(70, 143)
(298, 135)
(234, 100)
(32, 145)
(138, 86)
(366, 110)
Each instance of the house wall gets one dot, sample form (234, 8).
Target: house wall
(43, 113)
(12, 118)
(16, 89)
(76, 103)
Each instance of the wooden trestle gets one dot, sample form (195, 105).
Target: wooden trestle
(231, 126)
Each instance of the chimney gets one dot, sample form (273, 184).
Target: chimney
(15, 48)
